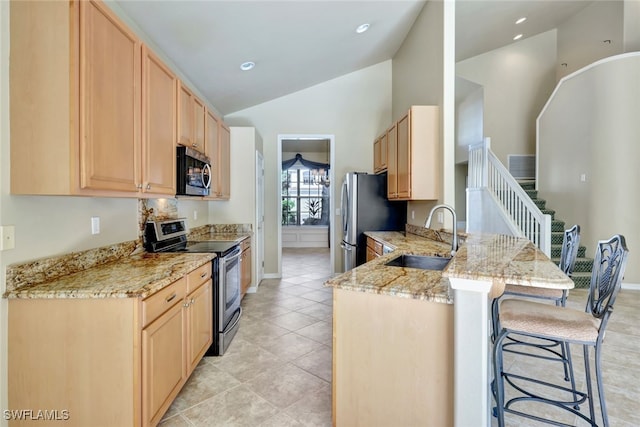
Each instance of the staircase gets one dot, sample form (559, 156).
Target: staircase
(582, 270)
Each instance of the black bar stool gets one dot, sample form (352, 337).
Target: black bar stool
(523, 318)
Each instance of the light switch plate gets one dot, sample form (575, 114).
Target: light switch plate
(95, 225)
(7, 237)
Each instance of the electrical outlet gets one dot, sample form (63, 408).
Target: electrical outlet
(195, 215)
(440, 217)
(95, 225)
(413, 214)
(7, 237)
(583, 177)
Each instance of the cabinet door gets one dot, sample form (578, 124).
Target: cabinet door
(384, 143)
(404, 159)
(159, 114)
(163, 363)
(212, 146)
(199, 141)
(200, 323)
(377, 145)
(224, 159)
(109, 101)
(245, 269)
(185, 116)
(392, 162)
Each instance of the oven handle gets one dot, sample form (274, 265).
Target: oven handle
(208, 183)
(229, 258)
(237, 320)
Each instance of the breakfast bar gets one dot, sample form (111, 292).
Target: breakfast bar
(450, 308)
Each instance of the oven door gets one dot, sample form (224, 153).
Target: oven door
(228, 307)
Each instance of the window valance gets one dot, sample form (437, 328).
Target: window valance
(286, 164)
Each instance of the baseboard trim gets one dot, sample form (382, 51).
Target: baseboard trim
(272, 276)
(631, 286)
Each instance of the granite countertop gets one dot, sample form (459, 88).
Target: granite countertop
(375, 277)
(497, 258)
(121, 270)
(135, 276)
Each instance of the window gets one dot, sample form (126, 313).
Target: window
(305, 197)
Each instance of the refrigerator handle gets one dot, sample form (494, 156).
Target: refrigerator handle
(346, 247)
(344, 207)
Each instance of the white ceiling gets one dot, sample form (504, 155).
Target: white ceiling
(299, 43)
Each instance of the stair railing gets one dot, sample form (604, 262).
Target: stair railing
(486, 171)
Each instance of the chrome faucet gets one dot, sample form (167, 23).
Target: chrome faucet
(454, 240)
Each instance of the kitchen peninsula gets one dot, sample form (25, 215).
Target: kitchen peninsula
(411, 346)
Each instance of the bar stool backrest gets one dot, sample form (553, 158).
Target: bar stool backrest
(606, 280)
(569, 253)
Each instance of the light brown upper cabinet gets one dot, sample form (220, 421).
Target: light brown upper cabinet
(109, 101)
(218, 143)
(223, 182)
(414, 166)
(191, 119)
(392, 162)
(76, 104)
(380, 153)
(159, 111)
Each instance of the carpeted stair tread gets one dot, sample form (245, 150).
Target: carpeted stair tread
(549, 212)
(583, 265)
(527, 185)
(556, 250)
(540, 203)
(582, 269)
(582, 280)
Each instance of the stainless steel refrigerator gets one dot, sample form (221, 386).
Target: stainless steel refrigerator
(365, 207)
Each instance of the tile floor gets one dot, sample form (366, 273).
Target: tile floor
(277, 371)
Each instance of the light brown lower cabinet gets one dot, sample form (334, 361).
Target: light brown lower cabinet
(245, 266)
(392, 361)
(107, 361)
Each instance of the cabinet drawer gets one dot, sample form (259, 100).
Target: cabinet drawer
(198, 277)
(163, 300)
(375, 245)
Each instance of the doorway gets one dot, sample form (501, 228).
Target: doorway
(306, 192)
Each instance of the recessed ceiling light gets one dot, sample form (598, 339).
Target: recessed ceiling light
(518, 37)
(362, 28)
(521, 20)
(246, 66)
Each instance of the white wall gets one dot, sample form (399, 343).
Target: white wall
(581, 37)
(590, 126)
(631, 26)
(354, 108)
(517, 80)
(418, 75)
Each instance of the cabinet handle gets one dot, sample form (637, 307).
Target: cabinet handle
(148, 186)
(186, 304)
(169, 299)
(203, 275)
(139, 186)
(194, 145)
(192, 301)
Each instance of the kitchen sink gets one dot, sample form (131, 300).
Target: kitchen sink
(422, 262)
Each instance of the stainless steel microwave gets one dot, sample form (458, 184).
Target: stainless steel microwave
(193, 171)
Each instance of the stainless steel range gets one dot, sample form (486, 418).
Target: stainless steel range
(171, 236)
